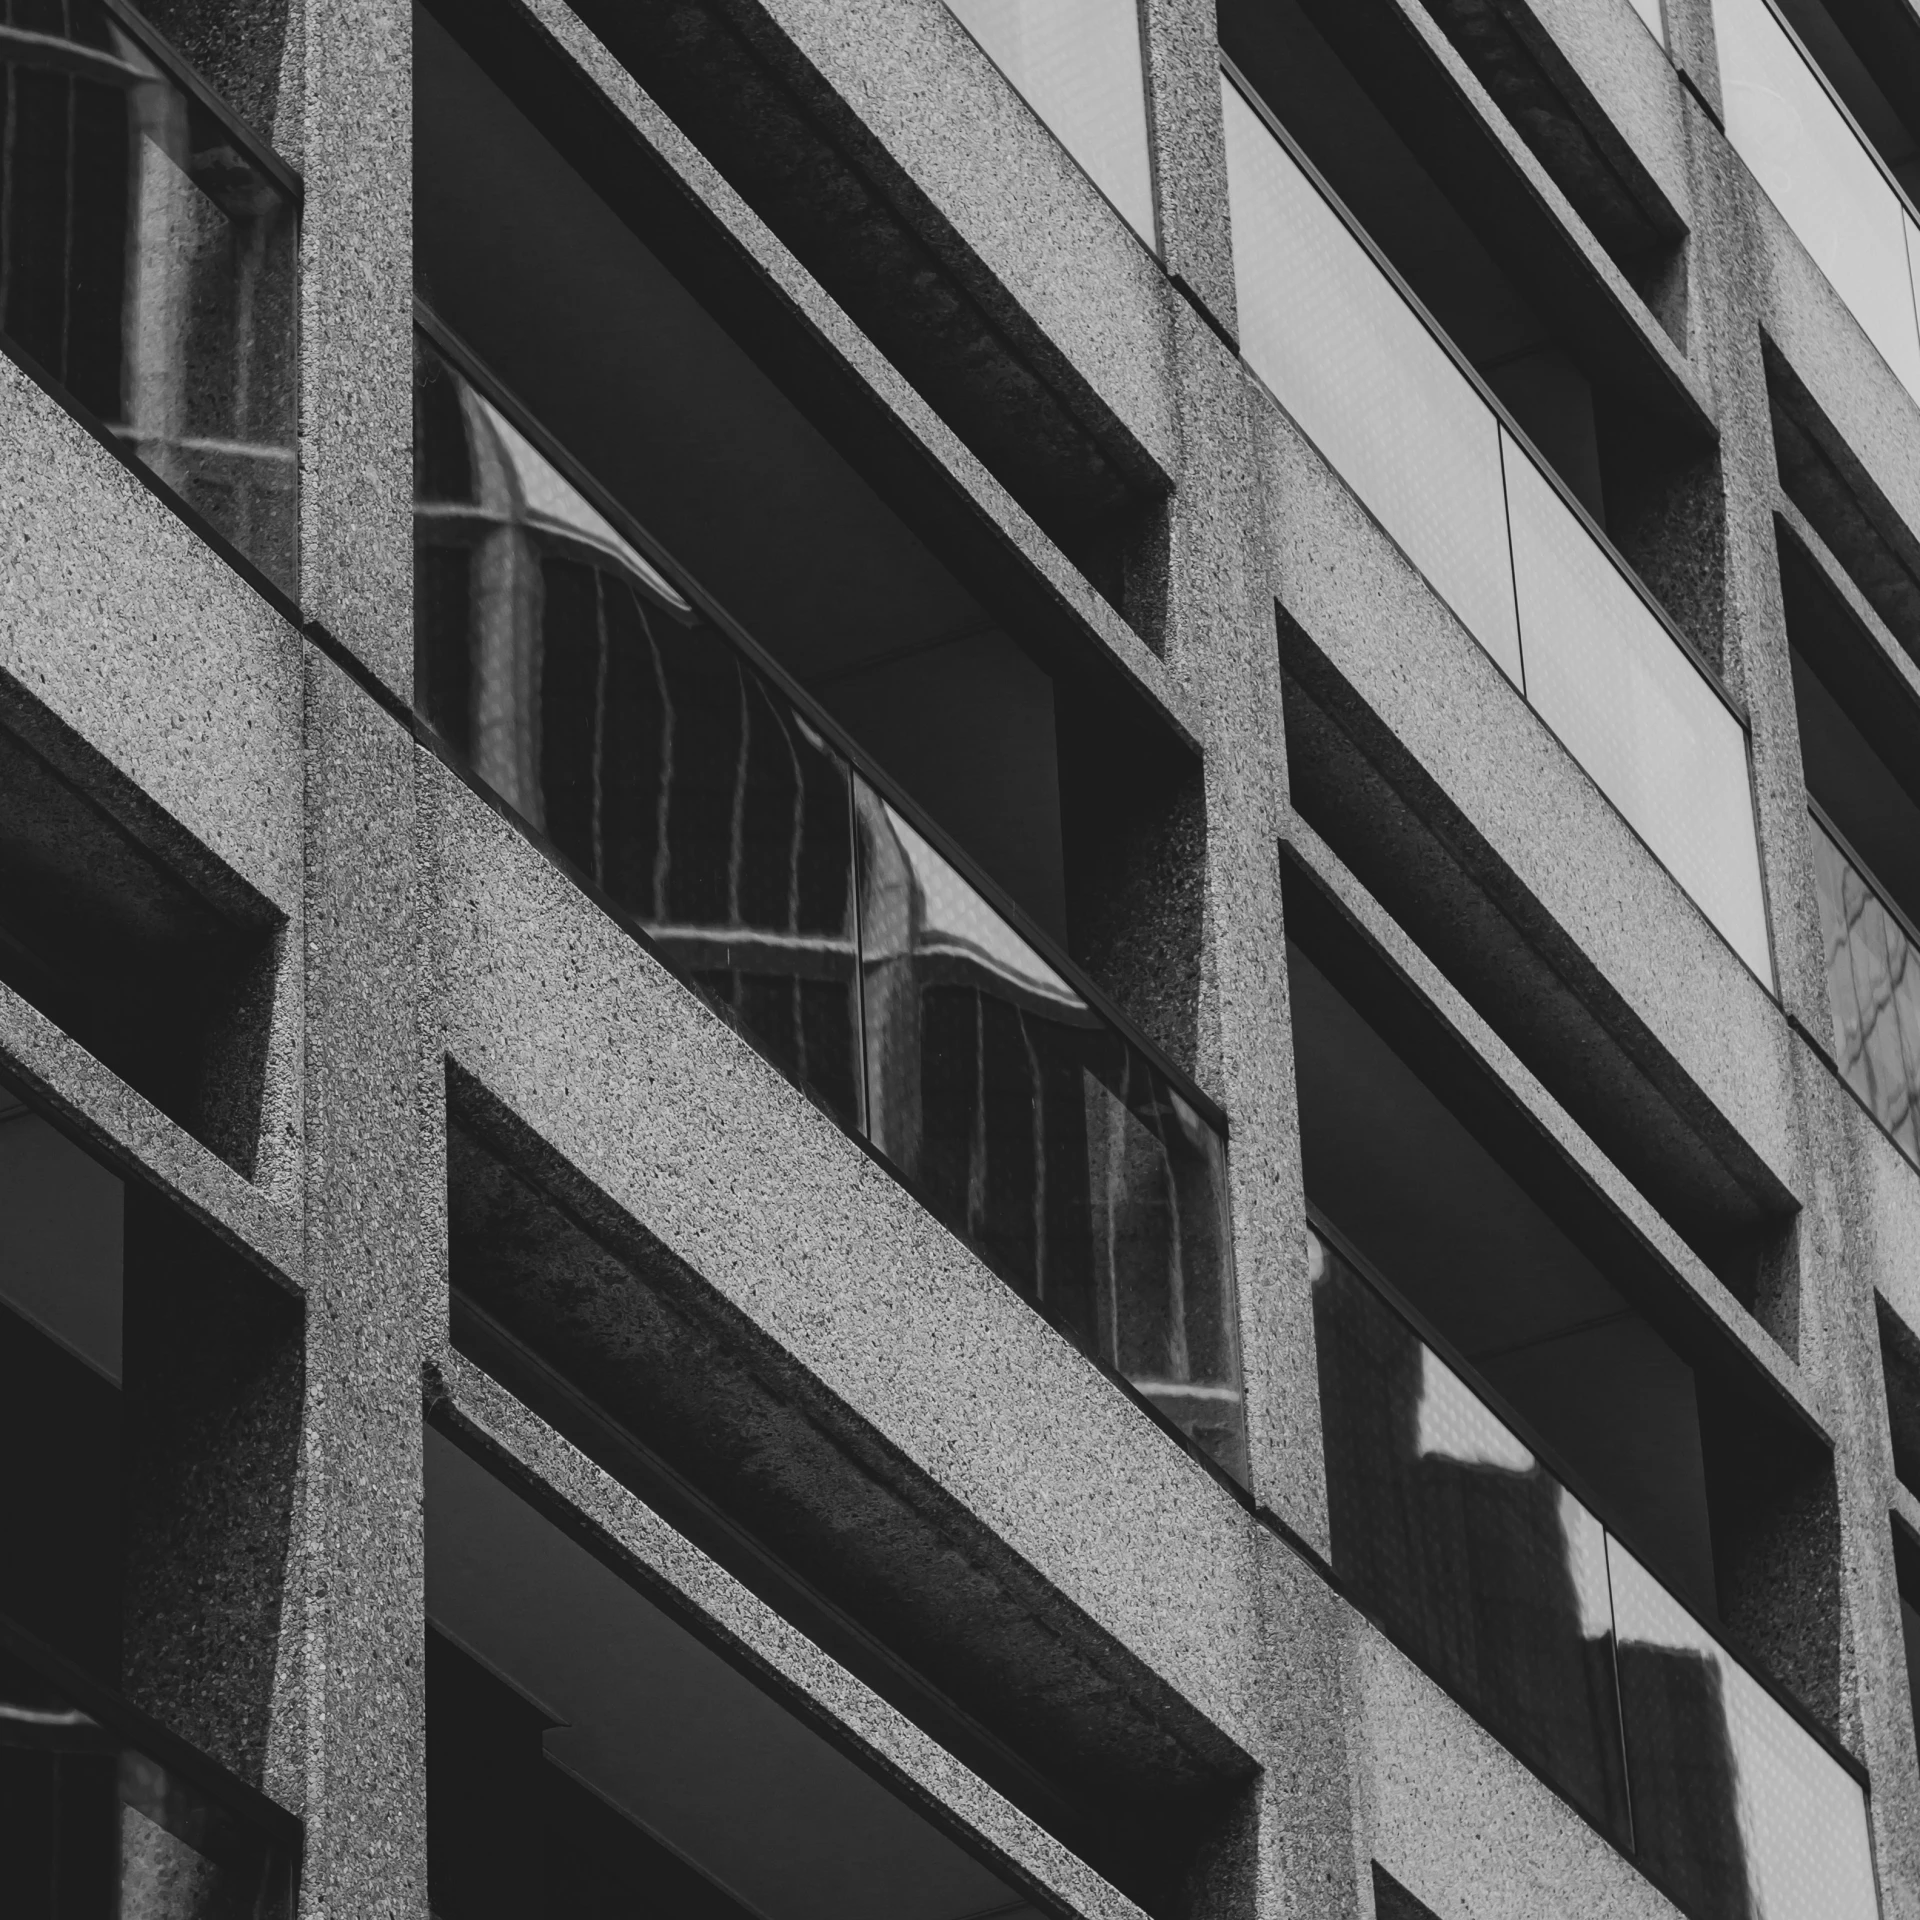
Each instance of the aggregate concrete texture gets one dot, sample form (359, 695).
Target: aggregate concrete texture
(566, 1021)
(981, 156)
(420, 940)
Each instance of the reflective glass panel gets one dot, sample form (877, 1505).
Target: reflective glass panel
(1367, 382)
(1078, 64)
(1801, 148)
(1036, 1130)
(147, 263)
(90, 1825)
(1635, 711)
(588, 1755)
(1471, 1555)
(589, 692)
(1737, 1809)
(1873, 982)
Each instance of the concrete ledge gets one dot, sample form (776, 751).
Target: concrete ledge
(119, 618)
(141, 1143)
(567, 1021)
(903, 442)
(1460, 1822)
(1626, 75)
(488, 1422)
(1731, 1321)
(1596, 892)
(1814, 331)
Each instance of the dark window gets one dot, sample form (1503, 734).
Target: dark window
(1859, 746)
(147, 260)
(589, 1754)
(166, 979)
(116, 1317)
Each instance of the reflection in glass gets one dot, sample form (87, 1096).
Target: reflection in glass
(1802, 149)
(1873, 984)
(1326, 329)
(1635, 711)
(90, 1825)
(147, 263)
(596, 698)
(1465, 1549)
(1034, 1128)
(586, 689)
(1078, 64)
(1736, 1809)
(1484, 1567)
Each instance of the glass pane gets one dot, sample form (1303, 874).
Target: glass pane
(1737, 1809)
(1367, 382)
(593, 696)
(147, 263)
(89, 1825)
(1472, 1556)
(1873, 980)
(1786, 127)
(1078, 64)
(1038, 1133)
(1635, 711)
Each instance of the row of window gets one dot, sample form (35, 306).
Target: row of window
(842, 787)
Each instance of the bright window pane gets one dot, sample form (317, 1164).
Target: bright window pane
(1635, 711)
(1374, 390)
(1788, 130)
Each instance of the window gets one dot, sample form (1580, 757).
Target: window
(148, 252)
(729, 743)
(103, 1808)
(588, 1751)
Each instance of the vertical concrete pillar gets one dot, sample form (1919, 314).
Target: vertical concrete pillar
(356, 321)
(373, 1268)
(1289, 1849)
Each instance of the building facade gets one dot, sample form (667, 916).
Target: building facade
(960, 958)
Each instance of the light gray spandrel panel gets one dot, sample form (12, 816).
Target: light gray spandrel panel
(1635, 711)
(1369, 385)
(1077, 64)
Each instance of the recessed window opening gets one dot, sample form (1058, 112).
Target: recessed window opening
(722, 760)
(1608, 454)
(148, 261)
(611, 1338)
(587, 1752)
(1906, 1568)
(1429, 1208)
(1572, 1524)
(574, 314)
(62, 1265)
(166, 986)
(1900, 1368)
(96, 1802)
(1859, 746)
(1431, 1185)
